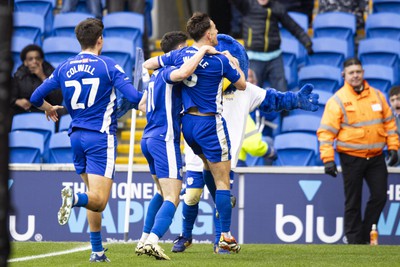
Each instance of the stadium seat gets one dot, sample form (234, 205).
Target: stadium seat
(302, 20)
(122, 51)
(25, 147)
(308, 123)
(296, 149)
(35, 122)
(324, 78)
(40, 7)
(29, 25)
(328, 51)
(65, 122)
(128, 25)
(60, 148)
(290, 53)
(58, 49)
(65, 23)
(392, 6)
(380, 25)
(336, 24)
(17, 44)
(379, 76)
(380, 51)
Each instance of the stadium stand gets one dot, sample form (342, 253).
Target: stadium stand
(328, 51)
(323, 77)
(58, 48)
(379, 6)
(42, 7)
(296, 149)
(379, 76)
(122, 51)
(29, 25)
(65, 122)
(60, 148)
(64, 24)
(25, 147)
(338, 25)
(380, 25)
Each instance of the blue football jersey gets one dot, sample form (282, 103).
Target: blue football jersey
(203, 89)
(164, 105)
(87, 82)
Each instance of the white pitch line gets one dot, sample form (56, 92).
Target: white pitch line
(50, 254)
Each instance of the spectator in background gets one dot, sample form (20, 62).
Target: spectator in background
(301, 6)
(138, 6)
(356, 7)
(394, 99)
(93, 7)
(33, 71)
(262, 39)
(359, 118)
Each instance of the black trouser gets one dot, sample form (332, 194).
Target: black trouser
(375, 173)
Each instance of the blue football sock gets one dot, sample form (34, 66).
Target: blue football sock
(152, 210)
(223, 203)
(164, 218)
(82, 200)
(189, 217)
(209, 180)
(217, 224)
(95, 240)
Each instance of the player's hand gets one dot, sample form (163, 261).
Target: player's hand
(231, 58)
(23, 103)
(52, 114)
(210, 49)
(306, 99)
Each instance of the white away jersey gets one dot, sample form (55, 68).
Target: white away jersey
(237, 106)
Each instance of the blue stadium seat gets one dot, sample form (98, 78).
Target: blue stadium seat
(65, 122)
(25, 147)
(64, 24)
(379, 76)
(296, 149)
(379, 6)
(40, 7)
(323, 77)
(128, 25)
(328, 51)
(57, 49)
(308, 123)
(381, 51)
(35, 122)
(122, 51)
(29, 25)
(302, 20)
(380, 25)
(336, 24)
(60, 148)
(17, 44)
(290, 53)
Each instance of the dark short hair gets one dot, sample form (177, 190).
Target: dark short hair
(171, 40)
(351, 61)
(197, 25)
(88, 31)
(395, 90)
(29, 48)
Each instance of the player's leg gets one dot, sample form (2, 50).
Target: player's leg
(168, 164)
(154, 204)
(194, 189)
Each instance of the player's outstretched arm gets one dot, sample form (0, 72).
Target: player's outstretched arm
(191, 64)
(303, 99)
(143, 102)
(151, 63)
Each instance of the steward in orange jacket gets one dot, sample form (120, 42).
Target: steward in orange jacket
(359, 118)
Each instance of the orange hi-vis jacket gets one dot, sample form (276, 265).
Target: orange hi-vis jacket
(362, 124)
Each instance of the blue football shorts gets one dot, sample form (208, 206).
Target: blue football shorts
(94, 152)
(207, 135)
(164, 157)
(194, 179)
